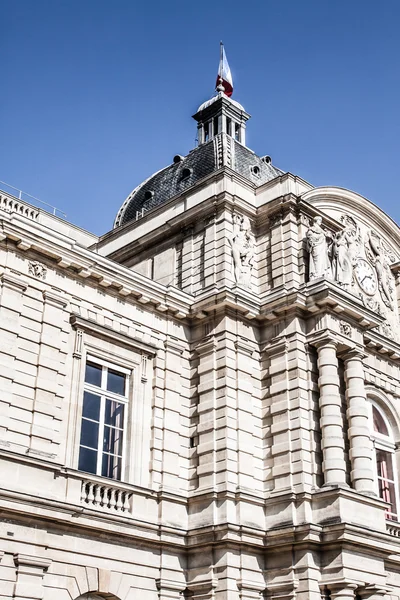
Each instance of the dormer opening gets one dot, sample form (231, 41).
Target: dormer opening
(237, 132)
(206, 132)
(228, 126)
(215, 126)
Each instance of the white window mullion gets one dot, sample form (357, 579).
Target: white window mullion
(101, 435)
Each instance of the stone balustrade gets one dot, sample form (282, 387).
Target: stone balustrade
(10, 204)
(106, 497)
(393, 528)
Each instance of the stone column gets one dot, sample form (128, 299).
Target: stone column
(362, 475)
(342, 591)
(334, 464)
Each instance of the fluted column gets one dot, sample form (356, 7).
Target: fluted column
(362, 475)
(334, 464)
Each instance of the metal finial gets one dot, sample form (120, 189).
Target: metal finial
(220, 87)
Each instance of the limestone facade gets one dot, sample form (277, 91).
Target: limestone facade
(199, 404)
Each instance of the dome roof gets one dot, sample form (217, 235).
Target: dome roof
(211, 101)
(220, 151)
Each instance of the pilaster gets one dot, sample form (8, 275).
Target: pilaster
(51, 372)
(30, 573)
(11, 304)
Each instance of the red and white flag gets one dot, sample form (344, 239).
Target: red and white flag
(225, 74)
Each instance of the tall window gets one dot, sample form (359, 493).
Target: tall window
(385, 464)
(104, 411)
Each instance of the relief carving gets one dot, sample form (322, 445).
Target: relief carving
(242, 244)
(345, 328)
(359, 260)
(37, 269)
(381, 260)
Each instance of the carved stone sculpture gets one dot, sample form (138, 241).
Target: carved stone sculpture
(37, 269)
(377, 255)
(346, 248)
(342, 262)
(242, 244)
(317, 246)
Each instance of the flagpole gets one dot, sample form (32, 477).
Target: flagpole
(221, 45)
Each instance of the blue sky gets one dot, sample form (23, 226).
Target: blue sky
(98, 94)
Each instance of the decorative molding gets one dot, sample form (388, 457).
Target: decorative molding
(13, 283)
(275, 347)
(31, 561)
(174, 346)
(104, 332)
(54, 299)
(244, 347)
(78, 343)
(143, 368)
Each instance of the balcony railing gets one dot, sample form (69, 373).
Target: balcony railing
(20, 201)
(11, 204)
(393, 528)
(109, 498)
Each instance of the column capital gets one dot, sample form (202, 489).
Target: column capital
(324, 342)
(373, 592)
(354, 352)
(340, 588)
(324, 338)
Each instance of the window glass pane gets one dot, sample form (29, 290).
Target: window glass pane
(87, 460)
(111, 466)
(379, 423)
(384, 464)
(112, 441)
(114, 413)
(89, 434)
(91, 406)
(116, 382)
(93, 374)
(387, 493)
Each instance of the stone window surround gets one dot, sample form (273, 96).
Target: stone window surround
(383, 442)
(92, 341)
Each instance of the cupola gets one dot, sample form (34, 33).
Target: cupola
(221, 114)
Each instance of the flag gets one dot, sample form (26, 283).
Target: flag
(225, 74)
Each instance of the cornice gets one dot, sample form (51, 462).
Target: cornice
(382, 345)
(80, 262)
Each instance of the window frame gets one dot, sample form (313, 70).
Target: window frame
(385, 443)
(104, 395)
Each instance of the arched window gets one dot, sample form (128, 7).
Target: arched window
(385, 468)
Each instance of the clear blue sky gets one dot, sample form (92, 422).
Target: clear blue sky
(98, 94)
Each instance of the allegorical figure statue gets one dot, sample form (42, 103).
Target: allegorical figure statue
(382, 269)
(317, 246)
(342, 257)
(242, 244)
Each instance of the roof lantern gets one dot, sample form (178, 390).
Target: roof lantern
(221, 114)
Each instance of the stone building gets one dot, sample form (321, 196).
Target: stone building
(203, 402)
